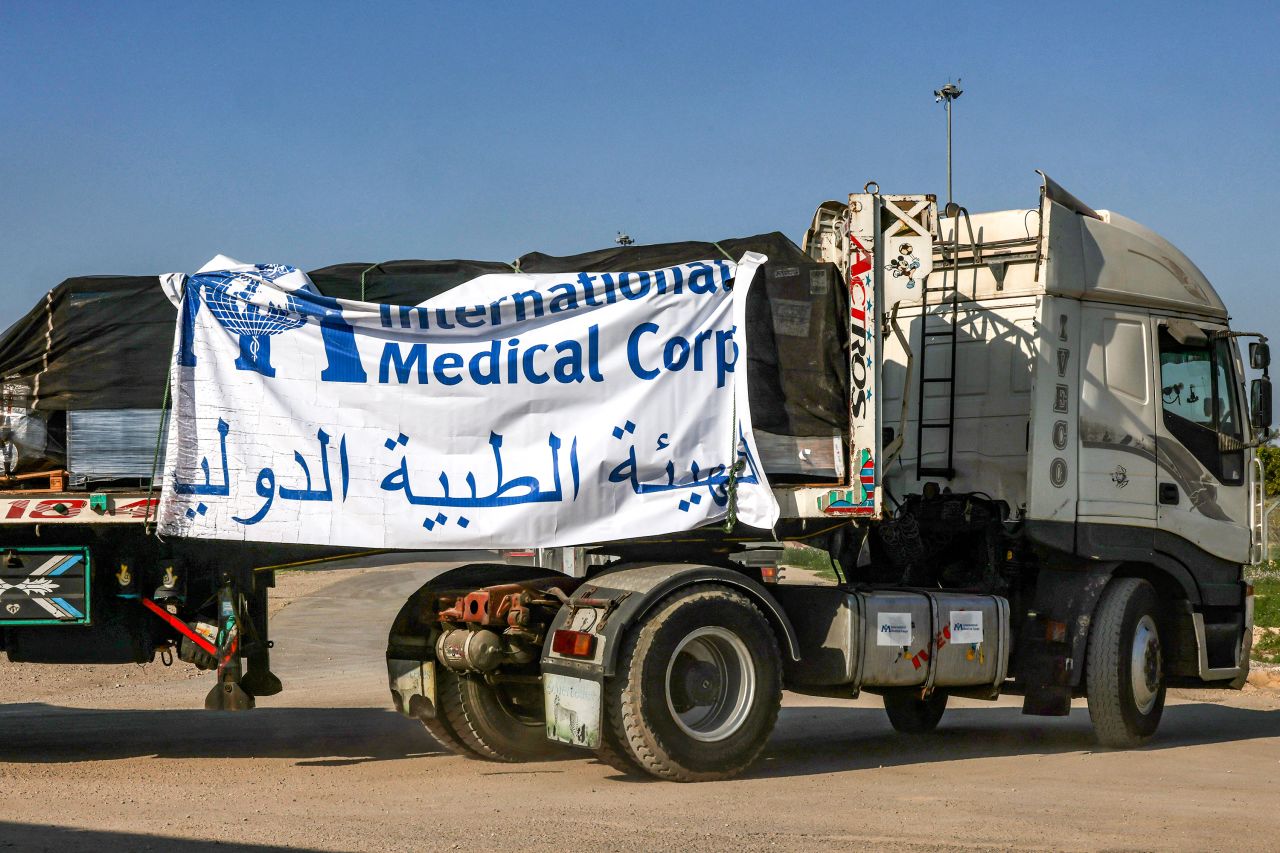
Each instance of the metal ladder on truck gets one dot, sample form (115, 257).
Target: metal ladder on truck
(947, 336)
(996, 256)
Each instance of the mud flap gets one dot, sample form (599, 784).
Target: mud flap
(573, 707)
(1246, 641)
(413, 686)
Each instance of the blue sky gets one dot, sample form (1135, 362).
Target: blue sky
(142, 138)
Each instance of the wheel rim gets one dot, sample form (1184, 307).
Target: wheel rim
(710, 684)
(1145, 665)
(503, 700)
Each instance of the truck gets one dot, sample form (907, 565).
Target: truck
(1022, 436)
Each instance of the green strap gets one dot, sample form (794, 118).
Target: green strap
(731, 258)
(363, 273)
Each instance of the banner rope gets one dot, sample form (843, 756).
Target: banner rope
(155, 456)
(735, 464)
(731, 488)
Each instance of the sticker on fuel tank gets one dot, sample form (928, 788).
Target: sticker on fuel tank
(966, 626)
(893, 629)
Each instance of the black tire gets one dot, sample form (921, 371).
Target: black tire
(910, 714)
(614, 753)
(492, 726)
(438, 725)
(661, 680)
(1124, 673)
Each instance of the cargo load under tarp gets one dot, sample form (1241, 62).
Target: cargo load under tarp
(93, 343)
(102, 343)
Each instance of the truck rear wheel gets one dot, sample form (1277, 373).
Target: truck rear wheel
(697, 689)
(1124, 674)
(438, 726)
(910, 714)
(500, 722)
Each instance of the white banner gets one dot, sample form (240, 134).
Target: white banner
(511, 411)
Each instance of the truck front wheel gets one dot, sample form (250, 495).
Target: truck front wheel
(1124, 672)
(697, 689)
(910, 714)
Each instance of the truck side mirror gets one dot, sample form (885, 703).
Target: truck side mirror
(1259, 356)
(1260, 403)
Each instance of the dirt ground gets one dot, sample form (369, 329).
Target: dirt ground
(96, 758)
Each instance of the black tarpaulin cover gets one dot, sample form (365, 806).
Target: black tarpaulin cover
(103, 342)
(93, 342)
(399, 282)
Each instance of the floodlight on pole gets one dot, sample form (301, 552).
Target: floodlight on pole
(948, 93)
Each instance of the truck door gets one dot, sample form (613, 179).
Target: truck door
(1202, 492)
(1118, 406)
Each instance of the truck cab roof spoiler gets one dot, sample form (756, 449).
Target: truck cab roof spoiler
(1055, 192)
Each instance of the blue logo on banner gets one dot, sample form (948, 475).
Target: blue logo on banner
(228, 296)
(228, 301)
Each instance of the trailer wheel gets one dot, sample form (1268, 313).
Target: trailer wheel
(698, 687)
(1124, 674)
(491, 723)
(910, 714)
(438, 726)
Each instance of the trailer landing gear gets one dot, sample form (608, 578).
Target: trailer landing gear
(235, 689)
(259, 680)
(227, 694)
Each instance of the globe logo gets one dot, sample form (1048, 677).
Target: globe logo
(229, 297)
(250, 304)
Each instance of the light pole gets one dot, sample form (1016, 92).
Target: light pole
(948, 93)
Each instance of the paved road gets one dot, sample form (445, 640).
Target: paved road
(327, 766)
